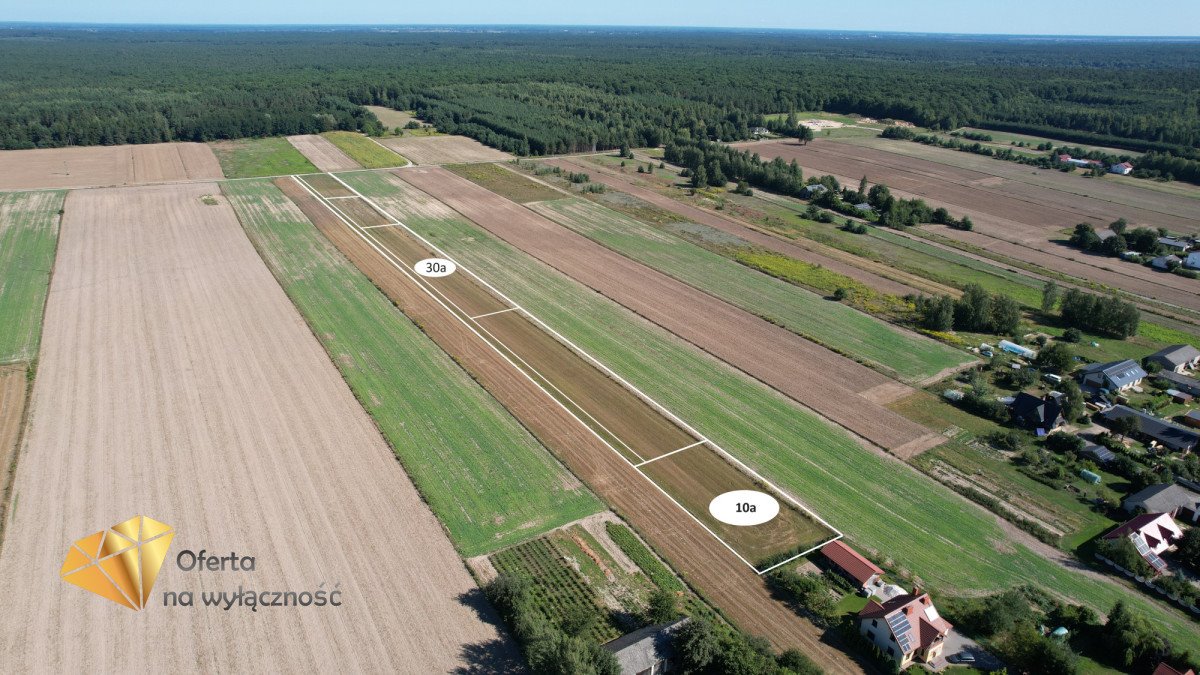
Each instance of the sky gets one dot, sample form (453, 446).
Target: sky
(1026, 17)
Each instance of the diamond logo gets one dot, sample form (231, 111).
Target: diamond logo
(121, 563)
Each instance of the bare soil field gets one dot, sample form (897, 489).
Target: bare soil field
(106, 166)
(624, 183)
(395, 119)
(176, 380)
(1018, 226)
(12, 410)
(722, 578)
(444, 149)
(322, 153)
(834, 386)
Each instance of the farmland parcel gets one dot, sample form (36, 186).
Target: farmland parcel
(28, 234)
(727, 581)
(488, 481)
(178, 381)
(106, 166)
(919, 523)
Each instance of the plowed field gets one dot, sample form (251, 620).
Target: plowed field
(444, 149)
(321, 152)
(101, 166)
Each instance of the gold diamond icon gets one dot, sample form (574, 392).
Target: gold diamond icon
(121, 563)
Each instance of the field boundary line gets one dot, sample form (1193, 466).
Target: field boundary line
(371, 227)
(391, 258)
(645, 397)
(657, 406)
(499, 311)
(686, 447)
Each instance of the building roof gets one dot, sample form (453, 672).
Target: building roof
(1099, 453)
(1120, 373)
(1164, 669)
(1176, 355)
(912, 619)
(850, 561)
(1144, 524)
(1171, 435)
(1163, 498)
(1181, 382)
(1036, 412)
(640, 650)
(1166, 259)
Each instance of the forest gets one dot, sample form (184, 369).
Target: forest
(538, 91)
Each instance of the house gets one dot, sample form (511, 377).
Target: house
(648, 651)
(760, 131)
(1166, 262)
(1113, 376)
(1064, 158)
(1177, 358)
(1123, 169)
(1152, 534)
(1172, 499)
(1084, 163)
(851, 564)
(1151, 428)
(1099, 453)
(1164, 669)
(1175, 245)
(865, 207)
(813, 190)
(1192, 419)
(907, 628)
(1192, 261)
(1043, 415)
(1188, 385)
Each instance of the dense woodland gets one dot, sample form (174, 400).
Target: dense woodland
(535, 91)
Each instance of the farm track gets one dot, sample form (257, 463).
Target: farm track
(1015, 219)
(177, 380)
(624, 183)
(846, 392)
(721, 577)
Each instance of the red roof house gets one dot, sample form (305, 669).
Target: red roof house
(1164, 669)
(907, 628)
(851, 564)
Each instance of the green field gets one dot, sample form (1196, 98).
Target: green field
(833, 324)
(253, 157)
(504, 182)
(485, 477)
(28, 239)
(365, 151)
(879, 502)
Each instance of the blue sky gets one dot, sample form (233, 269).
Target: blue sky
(1045, 17)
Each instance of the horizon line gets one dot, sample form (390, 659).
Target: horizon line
(761, 29)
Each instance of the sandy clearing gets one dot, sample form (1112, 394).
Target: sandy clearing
(444, 149)
(816, 377)
(737, 228)
(176, 380)
(322, 153)
(1017, 226)
(722, 578)
(104, 166)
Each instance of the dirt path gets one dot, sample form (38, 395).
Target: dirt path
(176, 380)
(624, 183)
(829, 383)
(724, 579)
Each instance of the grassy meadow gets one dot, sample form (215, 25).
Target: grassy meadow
(365, 151)
(28, 241)
(254, 157)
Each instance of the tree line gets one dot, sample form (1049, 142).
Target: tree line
(534, 91)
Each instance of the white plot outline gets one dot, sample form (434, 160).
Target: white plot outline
(396, 262)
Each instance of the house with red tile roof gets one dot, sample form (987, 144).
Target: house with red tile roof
(1151, 534)
(1164, 669)
(906, 628)
(851, 564)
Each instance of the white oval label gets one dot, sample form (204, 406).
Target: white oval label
(744, 507)
(435, 267)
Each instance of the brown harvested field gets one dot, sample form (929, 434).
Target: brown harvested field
(624, 183)
(327, 186)
(394, 119)
(106, 166)
(721, 577)
(176, 380)
(627, 422)
(322, 153)
(444, 149)
(846, 392)
(1014, 219)
(12, 409)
